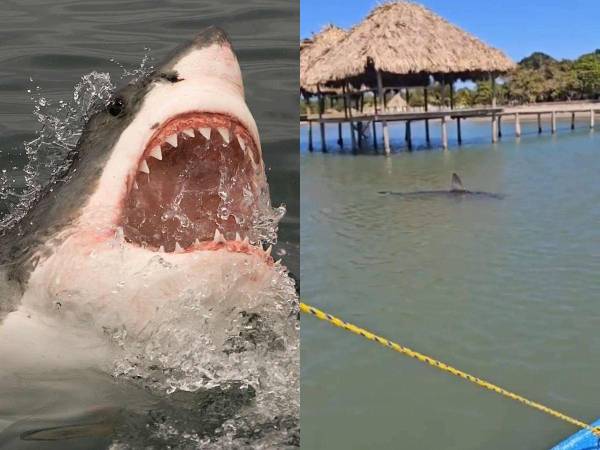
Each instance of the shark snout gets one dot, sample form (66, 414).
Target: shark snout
(210, 59)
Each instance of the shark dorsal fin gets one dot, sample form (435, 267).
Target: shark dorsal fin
(456, 183)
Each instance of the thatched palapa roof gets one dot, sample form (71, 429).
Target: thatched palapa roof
(407, 42)
(311, 50)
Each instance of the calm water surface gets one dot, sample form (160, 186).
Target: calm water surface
(505, 289)
(55, 43)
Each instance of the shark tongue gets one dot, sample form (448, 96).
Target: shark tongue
(200, 177)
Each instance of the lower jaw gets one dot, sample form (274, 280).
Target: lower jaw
(236, 246)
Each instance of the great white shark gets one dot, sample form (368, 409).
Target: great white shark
(165, 193)
(457, 189)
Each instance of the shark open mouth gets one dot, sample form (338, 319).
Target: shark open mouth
(197, 186)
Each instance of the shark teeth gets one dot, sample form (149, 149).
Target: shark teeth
(143, 167)
(218, 238)
(178, 248)
(238, 237)
(241, 142)
(189, 132)
(156, 153)
(205, 132)
(224, 132)
(172, 139)
(268, 251)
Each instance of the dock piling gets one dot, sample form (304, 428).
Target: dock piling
(553, 122)
(310, 140)
(386, 135)
(494, 128)
(340, 139)
(408, 135)
(572, 121)
(592, 118)
(499, 126)
(444, 133)
(539, 118)
(517, 125)
(458, 131)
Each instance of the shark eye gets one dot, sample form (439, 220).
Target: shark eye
(116, 106)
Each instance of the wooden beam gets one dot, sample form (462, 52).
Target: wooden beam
(494, 117)
(321, 124)
(427, 139)
(444, 133)
(386, 135)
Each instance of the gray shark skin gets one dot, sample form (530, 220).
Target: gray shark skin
(456, 190)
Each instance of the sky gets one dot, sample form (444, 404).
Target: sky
(560, 28)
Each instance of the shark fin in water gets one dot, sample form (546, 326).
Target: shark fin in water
(456, 183)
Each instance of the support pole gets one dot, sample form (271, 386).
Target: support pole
(458, 131)
(374, 124)
(572, 121)
(321, 124)
(443, 94)
(517, 125)
(345, 101)
(310, 140)
(426, 120)
(494, 118)
(553, 122)
(340, 139)
(592, 112)
(452, 94)
(444, 133)
(499, 126)
(386, 135)
(352, 136)
(408, 135)
(539, 117)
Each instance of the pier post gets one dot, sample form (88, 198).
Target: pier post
(310, 142)
(427, 139)
(374, 134)
(340, 139)
(499, 126)
(572, 121)
(458, 131)
(321, 124)
(494, 128)
(553, 122)
(592, 112)
(444, 133)
(386, 135)
(517, 125)
(351, 123)
(408, 135)
(539, 117)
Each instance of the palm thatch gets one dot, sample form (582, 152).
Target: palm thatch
(311, 50)
(406, 42)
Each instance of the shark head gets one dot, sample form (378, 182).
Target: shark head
(166, 193)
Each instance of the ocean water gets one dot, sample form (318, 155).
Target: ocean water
(45, 49)
(506, 289)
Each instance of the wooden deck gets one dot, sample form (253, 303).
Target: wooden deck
(360, 123)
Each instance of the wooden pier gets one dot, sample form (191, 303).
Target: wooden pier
(360, 123)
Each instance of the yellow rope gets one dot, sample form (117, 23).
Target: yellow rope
(444, 367)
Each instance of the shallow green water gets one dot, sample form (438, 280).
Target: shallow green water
(505, 289)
